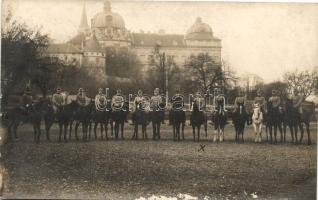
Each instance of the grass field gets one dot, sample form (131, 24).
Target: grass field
(134, 169)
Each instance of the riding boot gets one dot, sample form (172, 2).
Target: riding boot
(214, 136)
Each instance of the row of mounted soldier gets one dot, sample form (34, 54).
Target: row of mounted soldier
(144, 109)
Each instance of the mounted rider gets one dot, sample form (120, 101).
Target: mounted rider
(177, 100)
(260, 100)
(100, 100)
(58, 100)
(81, 98)
(118, 102)
(219, 102)
(275, 100)
(239, 101)
(27, 100)
(139, 103)
(156, 101)
(199, 100)
(298, 99)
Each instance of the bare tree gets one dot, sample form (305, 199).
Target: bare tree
(206, 73)
(303, 82)
(162, 67)
(22, 51)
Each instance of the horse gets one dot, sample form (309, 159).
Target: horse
(101, 115)
(141, 117)
(177, 118)
(197, 119)
(257, 121)
(274, 121)
(30, 114)
(63, 116)
(219, 119)
(305, 118)
(157, 116)
(240, 117)
(119, 116)
(83, 115)
(291, 120)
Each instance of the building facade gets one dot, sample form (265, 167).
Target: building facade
(107, 30)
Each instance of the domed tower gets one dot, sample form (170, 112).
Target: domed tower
(201, 35)
(109, 28)
(94, 58)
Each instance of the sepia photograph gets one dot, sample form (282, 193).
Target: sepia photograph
(158, 100)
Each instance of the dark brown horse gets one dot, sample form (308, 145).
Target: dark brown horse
(197, 119)
(31, 114)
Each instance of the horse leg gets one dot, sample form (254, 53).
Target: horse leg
(154, 131)
(291, 129)
(136, 131)
(308, 133)
(106, 130)
(35, 133)
(112, 127)
(70, 132)
(122, 131)
(275, 133)
(174, 131)
(102, 130)
(281, 133)
(284, 131)
(60, 131)
(178, 131)
(76, 127)
(145, 128)
(301, 132)
(206, 128)
(296, 133)
(116, 130)
(215, 134)
(255, 131)
(9, 131)
(95, 130)
(83, 131)
(158, 130)
(47, 129)
(271, 134)
(65, 132)
(182, 126)
(15, 127)
(38, 127)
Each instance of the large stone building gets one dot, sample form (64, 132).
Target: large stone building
(107, 30)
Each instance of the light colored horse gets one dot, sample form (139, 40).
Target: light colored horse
(257, 120)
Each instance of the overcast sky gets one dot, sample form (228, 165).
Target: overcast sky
(267, 39)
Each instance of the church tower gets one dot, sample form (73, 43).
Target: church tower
(83, 27)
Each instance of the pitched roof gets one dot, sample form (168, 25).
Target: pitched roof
(92, 45)
(78, 39)
(62, 48)
(152, 39)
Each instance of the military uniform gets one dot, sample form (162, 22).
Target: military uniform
(118, 102)
(58, 101)
(275, 101)
(100, 102)
(261, 102)
(239, 101)
(199, 100)
(155, 101)
(297, 101)
(81, 99)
